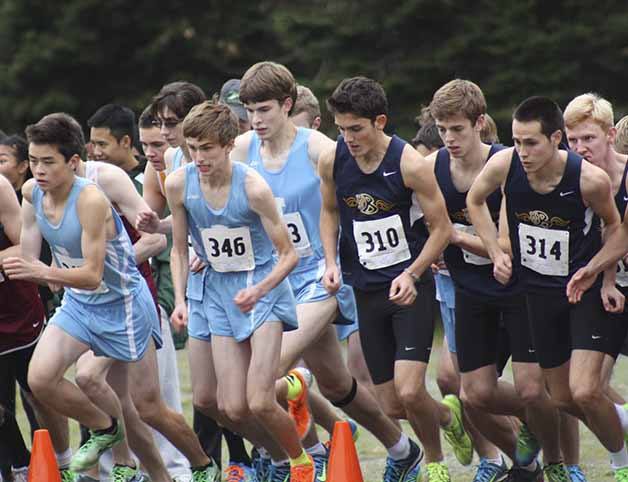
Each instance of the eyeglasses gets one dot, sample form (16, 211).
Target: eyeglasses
(168, 123)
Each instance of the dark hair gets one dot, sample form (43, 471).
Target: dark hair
(147, 119)
(268, 81)
(18, 144)
(2, 134)
(60, 130)
(543, 110)
(118, 119)
(359, 96)
(179, 97)
(428, 136)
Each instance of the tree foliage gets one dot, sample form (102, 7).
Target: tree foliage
(79, 54)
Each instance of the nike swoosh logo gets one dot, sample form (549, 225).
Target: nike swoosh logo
(323, 477)
(386, 174)
(625, 198)
(410, 348)
(563, 194)
(35, 325)
(594, 337)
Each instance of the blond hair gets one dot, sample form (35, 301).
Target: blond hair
(586, 107)
(621, 138)
(488, 134)
(456, 97)
(306, 102)
(209, 120)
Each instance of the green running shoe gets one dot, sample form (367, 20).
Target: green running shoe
(437, 472)
(621, 475)
(556, 473)
(528, 447)
(124, 473)
(209, 473)
(68, 476)
(455, 434)
(88, 454)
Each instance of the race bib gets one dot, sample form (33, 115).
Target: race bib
(228, 249)
(622, 273)
(66, 262)
(298, 234)
(381, 242)
(2, 278)
(469, 257)
(545, 251)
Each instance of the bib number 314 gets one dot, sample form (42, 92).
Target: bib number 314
(229, 249)
(381, 242)
(545, 251)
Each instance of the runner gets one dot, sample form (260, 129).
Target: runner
(229, 211)
(107, 307)
(553, 201)
(482, 303)
(372, 186)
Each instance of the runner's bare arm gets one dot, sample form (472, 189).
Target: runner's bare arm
(10, 218)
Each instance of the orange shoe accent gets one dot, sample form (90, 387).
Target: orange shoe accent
(298, 409)
(234, 473)
(303, 473)
(43, 466)
(343, 465)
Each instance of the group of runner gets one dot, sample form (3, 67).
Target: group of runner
(256, 233)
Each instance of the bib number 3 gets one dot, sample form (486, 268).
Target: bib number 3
(381, 242)
(229, 249)
(545, 251)
(298, 234)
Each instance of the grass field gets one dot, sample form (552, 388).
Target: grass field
(372, 455)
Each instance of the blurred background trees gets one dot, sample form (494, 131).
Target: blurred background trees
(76, 55)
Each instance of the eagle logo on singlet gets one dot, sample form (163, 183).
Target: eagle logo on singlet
(463, 215)
(367, 204)
(542, 219)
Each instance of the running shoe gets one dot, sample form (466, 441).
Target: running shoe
(556, 473)
(261, 466)
(239, 473)
(279, 473)
(519, 474)
(400, 470)
(124, 473)
(209, 473)
(68, 476)
(320, 466)
(88, 454)
(303, 472)
(437, 472)
(528, 447)
(455, 433)
(21, 475)
(621, 475)
(576, 473)
(297, 407)
(490, 472)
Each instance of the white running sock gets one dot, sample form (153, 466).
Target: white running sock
(401, 449)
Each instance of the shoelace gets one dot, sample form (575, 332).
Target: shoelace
(199, 476)
(437, 472)
(556, 473)
(235, 474)
(486, 470)
(119, 474)
(576, 474)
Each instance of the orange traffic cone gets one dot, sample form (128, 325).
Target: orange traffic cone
(344, 465)
(43, 466)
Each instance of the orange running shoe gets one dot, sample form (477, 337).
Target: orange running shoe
(303, 473)
(298, 409)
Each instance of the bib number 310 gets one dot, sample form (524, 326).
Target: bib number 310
(381, 242)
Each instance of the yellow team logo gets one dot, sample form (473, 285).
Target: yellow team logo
(542, 219)
(367, 204)
(463, 215)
